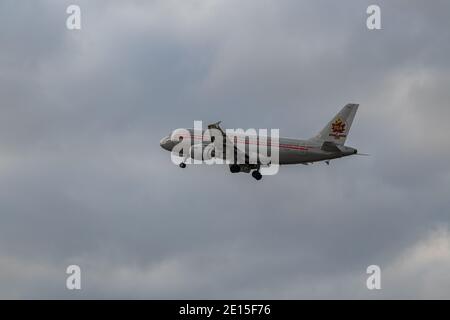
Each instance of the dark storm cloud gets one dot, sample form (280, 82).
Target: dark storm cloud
(83, 180)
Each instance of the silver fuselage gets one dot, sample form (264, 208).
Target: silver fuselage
(291, 151)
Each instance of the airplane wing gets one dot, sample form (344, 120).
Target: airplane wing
(241, 156)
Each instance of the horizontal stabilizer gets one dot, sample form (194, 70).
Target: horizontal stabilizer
(329, 146)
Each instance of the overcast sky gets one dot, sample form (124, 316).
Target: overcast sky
(84, 181)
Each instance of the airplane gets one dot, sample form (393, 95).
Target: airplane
(328, 144)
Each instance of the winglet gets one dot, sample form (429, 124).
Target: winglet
(216, 125)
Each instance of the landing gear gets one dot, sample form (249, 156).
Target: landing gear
(234, 168)
(183, 165)
(257, 175)
(246, 168)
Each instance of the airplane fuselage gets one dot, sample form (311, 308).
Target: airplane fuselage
(291, 151)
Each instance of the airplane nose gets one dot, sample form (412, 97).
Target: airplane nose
(164, 143)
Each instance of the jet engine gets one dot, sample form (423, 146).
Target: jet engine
(202, 152)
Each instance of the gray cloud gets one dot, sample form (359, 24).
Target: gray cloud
(83, 179)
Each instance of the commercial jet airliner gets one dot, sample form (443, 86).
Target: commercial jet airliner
(326, 145)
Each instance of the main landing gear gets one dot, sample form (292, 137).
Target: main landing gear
(183, 165)
(234, 168)
(257, 175)
(246, 168)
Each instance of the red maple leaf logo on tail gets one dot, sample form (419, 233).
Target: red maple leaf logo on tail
(338, 126)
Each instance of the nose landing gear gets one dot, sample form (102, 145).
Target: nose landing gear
(183, 165)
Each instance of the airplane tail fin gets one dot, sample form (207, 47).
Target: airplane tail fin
(337, 129)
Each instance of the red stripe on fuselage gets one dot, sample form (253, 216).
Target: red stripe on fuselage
(284, 146)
